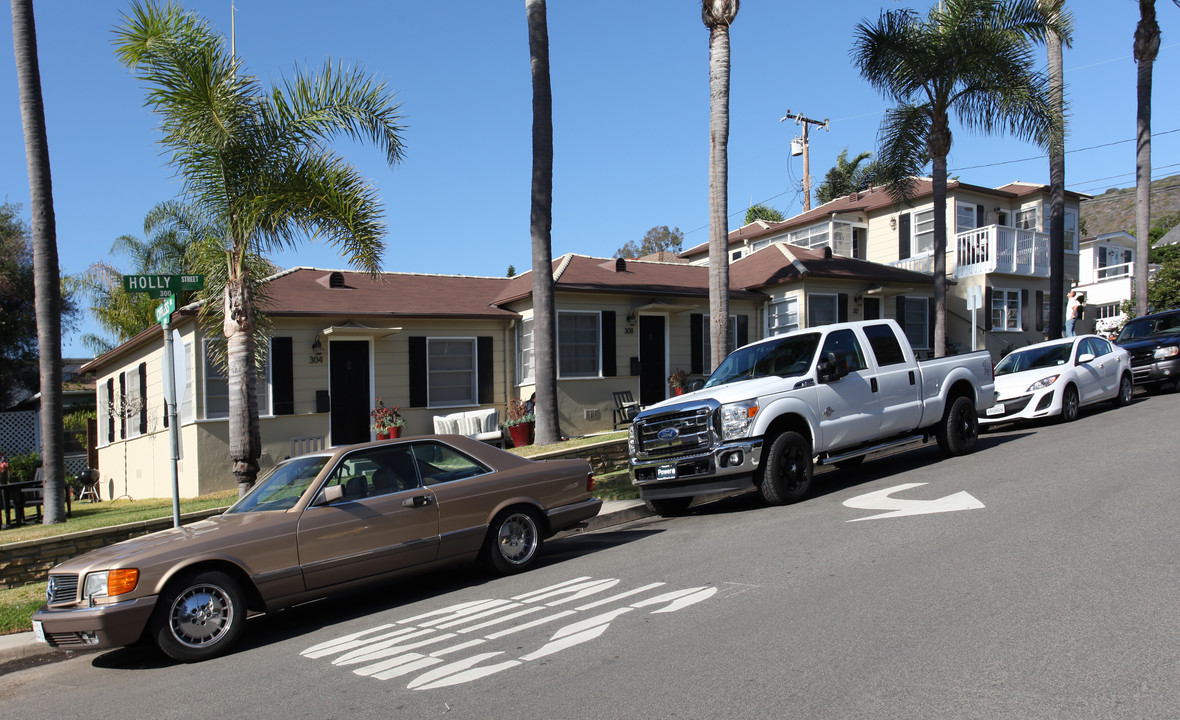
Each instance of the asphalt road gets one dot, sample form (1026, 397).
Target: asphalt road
(1054, 592)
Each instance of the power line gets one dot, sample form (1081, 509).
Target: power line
(1067, 152)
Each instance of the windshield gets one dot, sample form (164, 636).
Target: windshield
(1143, 327)
(1035, 359)
(790, 356)
(283, 487)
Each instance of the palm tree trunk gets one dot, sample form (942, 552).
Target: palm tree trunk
(245, 442)
(939, 251)
(1147, 44)
(548, 425)
(1056, 182)
(717, 16)
(46, 273)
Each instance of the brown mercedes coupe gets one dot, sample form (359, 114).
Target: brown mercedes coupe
(316, 525)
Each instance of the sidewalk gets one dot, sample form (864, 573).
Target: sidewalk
(22, 646)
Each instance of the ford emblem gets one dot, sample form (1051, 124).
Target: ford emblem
(668, 434)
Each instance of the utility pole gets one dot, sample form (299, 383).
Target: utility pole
(805, 121)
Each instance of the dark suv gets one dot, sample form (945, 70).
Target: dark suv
(1154, 344)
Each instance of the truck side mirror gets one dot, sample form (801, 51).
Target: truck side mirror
(831, 368)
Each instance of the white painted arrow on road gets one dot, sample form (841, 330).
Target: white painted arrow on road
(880, 500)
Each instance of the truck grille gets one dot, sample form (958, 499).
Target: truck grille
(62, 590)
(1143, 357)
(688, 430)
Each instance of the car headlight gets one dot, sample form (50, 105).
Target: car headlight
(736, 419)
(109, 583)
(1169, 351)
(1043, 383)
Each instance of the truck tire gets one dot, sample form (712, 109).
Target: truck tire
(669, 507)
(959, 428)
(786, 472)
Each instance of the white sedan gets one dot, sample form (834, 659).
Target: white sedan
(1058, 377)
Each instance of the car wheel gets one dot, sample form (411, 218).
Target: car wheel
(1069, 404)
(1126, 391)
(669, 507)
(959, 428)
(199, 616)
(850, 462)
(787, 470)
(514, 542)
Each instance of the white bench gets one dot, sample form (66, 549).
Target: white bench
(482, 425)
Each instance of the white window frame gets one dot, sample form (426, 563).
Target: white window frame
(212, 373)
(730, 332)
(132, 403)
(1071, 231)
(597, 371)
(922, 219)
(526, 370)
(1028, 217)
(782, 316)
(473, 397)
(918, 340)
(1101, 253)
(971, 210)
(1006, 296)
(812, 320)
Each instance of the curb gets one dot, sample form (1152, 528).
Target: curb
(18, 648)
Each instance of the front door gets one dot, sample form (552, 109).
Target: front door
(349, 391)
(653, 364)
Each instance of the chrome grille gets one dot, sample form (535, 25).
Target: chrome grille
(62, 590)
(685, 430)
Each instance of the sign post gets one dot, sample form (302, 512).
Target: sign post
(166, 287)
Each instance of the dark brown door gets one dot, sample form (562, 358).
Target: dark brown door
(349, 391)
(653, 370)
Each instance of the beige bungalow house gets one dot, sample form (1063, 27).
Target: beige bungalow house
(997, 251)
(435, 345)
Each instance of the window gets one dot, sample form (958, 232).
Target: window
(1112, 261)
(1026, 218)
(886, 349)
(782, 317)
(1005, 310)
(450, 371)
(964, 217)
(525, 367)
(133, 409)
(923, 232)
(735, 255)
(731, 338)
(577, 344)
(822, 309)
(844, 345)
(915, 321)
(1071, 231)
(440, 463)
(816, 236)
(1105, 312)
(216, 388)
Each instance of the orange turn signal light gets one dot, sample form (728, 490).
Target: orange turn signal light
(122, 581)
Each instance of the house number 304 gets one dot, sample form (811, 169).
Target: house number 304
(315, 359)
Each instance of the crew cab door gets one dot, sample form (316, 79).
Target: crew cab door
(849, 409)
(899, 389)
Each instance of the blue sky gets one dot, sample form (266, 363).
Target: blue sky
(631, 115)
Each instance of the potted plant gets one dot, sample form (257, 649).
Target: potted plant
(678, 381)
(387, 422)
(519, 419)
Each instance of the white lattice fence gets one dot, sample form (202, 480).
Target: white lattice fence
(20, 432)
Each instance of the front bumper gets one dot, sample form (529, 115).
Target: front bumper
(727, 467)
(1039, 404)
(101, 626)
(1156, 371)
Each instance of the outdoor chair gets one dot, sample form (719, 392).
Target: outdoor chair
(625, 408)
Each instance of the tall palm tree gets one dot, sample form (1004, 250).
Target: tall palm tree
(1055, 8)
(257, 164)
(1147, 46)
(972, 58)
(46, 272)
(718, 15)
(548, 427)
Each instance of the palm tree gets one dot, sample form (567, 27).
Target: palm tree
(1147, 45)
(845, 177)
(718, 15)
(1055, 8)
(766, 213)
(46, 272)
(256, 163)
(548, 428)
(969, 57)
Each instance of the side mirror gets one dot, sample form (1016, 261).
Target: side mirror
(1083, 359)
(831, 368)
(329, 495)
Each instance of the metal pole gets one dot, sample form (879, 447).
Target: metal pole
(173, 425)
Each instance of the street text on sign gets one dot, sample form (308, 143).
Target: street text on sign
(159, 286)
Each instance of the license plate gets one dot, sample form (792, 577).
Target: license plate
(38, 631)
(997, 409)
(666, 472)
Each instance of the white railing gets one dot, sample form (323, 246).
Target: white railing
(997, 248)
(1113, 272)
(921, 263)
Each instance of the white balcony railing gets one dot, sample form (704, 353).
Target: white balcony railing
(921, 263)
(1001, 249)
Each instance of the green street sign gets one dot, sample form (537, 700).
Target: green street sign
(165, 309)
(159, 286)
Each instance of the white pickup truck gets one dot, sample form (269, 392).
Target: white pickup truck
(774, 408)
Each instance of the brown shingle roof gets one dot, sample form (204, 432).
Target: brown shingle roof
(784, 263)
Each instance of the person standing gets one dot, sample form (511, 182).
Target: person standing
(1071, 314)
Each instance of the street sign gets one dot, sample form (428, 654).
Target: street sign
(159, 286)
(165, 309)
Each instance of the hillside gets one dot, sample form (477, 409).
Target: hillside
(1114, 209)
